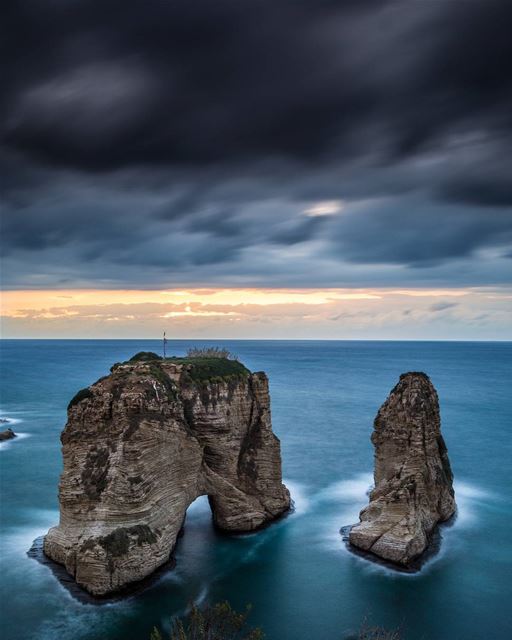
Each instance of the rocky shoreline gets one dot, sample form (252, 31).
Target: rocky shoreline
(433, 549)
(80, 594)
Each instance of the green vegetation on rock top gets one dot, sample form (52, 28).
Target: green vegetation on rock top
(144, 356)
(201, 369)
(164, 380)
(212, 369)
(202, 366)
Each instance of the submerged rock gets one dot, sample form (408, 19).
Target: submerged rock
(413, 479)
(8, 434)
(142, 444)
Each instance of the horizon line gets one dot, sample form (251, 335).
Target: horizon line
(2, 339)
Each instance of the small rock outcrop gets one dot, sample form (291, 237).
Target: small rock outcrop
(142, 444)
(413, 479)
(8, 434)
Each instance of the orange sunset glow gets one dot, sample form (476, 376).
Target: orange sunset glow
(247, 313)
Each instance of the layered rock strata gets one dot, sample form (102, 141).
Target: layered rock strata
(413, 479)
(141, 445)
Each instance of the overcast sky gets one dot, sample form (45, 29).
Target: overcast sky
(291, 144)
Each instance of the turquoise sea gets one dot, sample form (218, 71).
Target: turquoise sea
(302, 582)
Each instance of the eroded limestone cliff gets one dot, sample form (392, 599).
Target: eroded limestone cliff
(142, 444)
(413, 479)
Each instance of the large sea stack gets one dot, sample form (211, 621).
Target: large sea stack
(413, 479)
(142, 444)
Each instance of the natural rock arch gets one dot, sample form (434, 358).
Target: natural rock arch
(141, 445)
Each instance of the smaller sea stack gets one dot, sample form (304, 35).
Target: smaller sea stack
(8, 434)
(413, 479)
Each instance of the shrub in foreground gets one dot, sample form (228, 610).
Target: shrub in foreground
(213, 622)
(367, 632)
(221, 622)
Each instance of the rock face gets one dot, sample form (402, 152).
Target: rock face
(413, 479)
(142, 444)
(8, 434)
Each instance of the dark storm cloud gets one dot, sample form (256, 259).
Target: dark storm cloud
(488, 191)
(150, 142)
(410, 231)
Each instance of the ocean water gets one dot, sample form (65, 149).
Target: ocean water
(301, 580)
